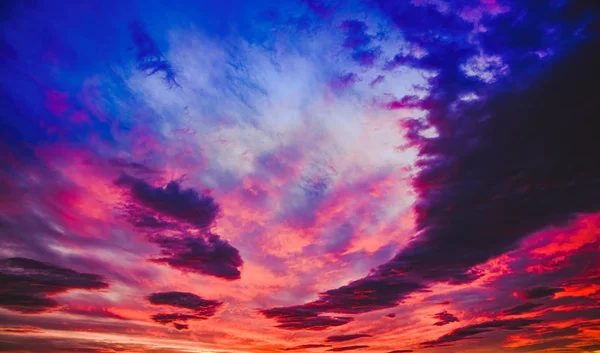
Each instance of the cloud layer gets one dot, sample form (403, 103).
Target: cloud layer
(29, 285)
(327, 176)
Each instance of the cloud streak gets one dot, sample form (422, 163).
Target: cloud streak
(471, 331)
(196, 308)
(29, 285)
(344, 338)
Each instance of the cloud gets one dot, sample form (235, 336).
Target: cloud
(407, 102)
(167, 318)
(477, 329)
(445, 318)
(367, 294)
(591, 347)
(193, 253)
(197, 308)
(28, 285)
(301, 318)
(438, 41)
(173, 201)
(401, 351)
(346, 348)
(357, 39)
(540, 292)
(377, 80)
(471, 183)
(198, 250)
(307, 346)
(21, 329)
(343, 81)
(520, 309)
(149, 57)
(363, 295)
(204, 308)
(344, 338)
(179, 326)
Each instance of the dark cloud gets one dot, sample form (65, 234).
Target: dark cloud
(391, 315)
(167, 318)
(197, 308)
(356, 34)
(302, 318)
(173, 201)
(445, 318)
(511, 153)
(307, 346)
(149, 57)
(555, 344)
(28, 285)
(520, 309)
(591, 347)
(202, 307)
(344, 338)
(197, 251)
(359, 42)
(540, 292)
(367, 294)
(208, 255)
(477, 329)
(179, 326)
(346, 348)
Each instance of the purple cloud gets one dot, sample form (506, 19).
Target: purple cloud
(173, 201)
(360, 42)
(520, 309)
(208, 255)
(301, 318)
(202, 307)
(27, 285)
(540, 292)
(179, 326)
(477, 329)
(445, 318)
(344, 338)
(164, 318)
(200, 252)
(471, 183)
(149, 57)
(196, 308)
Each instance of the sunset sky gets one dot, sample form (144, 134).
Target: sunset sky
(384, 176)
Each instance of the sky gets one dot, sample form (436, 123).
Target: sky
(306, 176)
